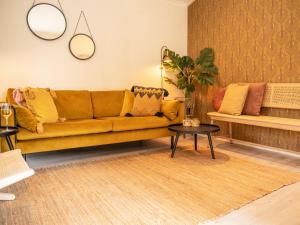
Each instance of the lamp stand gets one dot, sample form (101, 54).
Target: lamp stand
(163, 48)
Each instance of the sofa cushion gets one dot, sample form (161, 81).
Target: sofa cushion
(68, 128)
(74, 104)
(136, 123)
(107, 103)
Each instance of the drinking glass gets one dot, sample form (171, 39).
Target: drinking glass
(6, 112)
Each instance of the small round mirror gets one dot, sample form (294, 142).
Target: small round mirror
(46, 21)
(82, 46)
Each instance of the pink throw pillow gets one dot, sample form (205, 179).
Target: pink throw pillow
(218, 98)
(254, 99)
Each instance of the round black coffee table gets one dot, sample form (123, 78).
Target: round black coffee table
(206, 129)
(6, 133)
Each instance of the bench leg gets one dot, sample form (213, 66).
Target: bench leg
(7, 197)
(230, 132)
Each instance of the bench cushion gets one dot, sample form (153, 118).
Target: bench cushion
(234, 99)
(262, 121)
(68, 128)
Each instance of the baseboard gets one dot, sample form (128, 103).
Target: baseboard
(259, 146)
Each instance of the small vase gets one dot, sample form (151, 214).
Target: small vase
(189, 104)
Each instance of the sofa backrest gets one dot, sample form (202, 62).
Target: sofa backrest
(73, 104)
(107, 103)
(82, 104)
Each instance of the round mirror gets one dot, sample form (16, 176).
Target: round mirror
(82, 46)
(46, 21)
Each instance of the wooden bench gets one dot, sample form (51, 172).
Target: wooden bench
(277, 95)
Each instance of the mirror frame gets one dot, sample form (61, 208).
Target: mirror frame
(89, 38)
(54, 7)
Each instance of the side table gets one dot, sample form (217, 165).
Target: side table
(6, 132)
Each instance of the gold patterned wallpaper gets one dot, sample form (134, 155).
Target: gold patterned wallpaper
(254, 41)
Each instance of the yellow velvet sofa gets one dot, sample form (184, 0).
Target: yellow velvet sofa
(92, 119)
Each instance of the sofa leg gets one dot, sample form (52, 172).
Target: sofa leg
(230, 133)
(7, 197)
(141, 143)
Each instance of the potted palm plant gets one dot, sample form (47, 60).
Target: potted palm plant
(189, 72)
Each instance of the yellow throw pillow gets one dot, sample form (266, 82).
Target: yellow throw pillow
(234, 99)
(42, 105)
(146, 104)
(25, 118)
(170, 108)
(127, 103)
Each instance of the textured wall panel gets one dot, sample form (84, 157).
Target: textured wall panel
(254, 41)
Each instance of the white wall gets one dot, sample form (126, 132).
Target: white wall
(128, 36)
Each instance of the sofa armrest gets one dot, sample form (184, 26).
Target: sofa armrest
(180, 116)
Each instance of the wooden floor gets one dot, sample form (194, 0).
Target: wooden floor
(282, 207)
(150, 188)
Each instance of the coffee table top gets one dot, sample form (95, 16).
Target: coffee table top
(7, 132)
(202, 129)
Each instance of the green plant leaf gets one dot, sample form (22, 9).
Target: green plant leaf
(203, 70)
(182, 82)
(206, 57)
(170, 81)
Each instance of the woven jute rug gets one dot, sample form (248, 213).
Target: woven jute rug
(149, 188)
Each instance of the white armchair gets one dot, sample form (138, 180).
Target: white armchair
(13, 168)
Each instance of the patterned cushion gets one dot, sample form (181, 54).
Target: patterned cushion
(146, 103)
(150, 90)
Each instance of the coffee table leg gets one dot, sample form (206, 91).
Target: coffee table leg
(9, 143)
(175, 144)
(172, 142)
(195, 140)
(211, 146)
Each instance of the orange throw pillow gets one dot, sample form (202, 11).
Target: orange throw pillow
(254, 99)
(218, 98)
